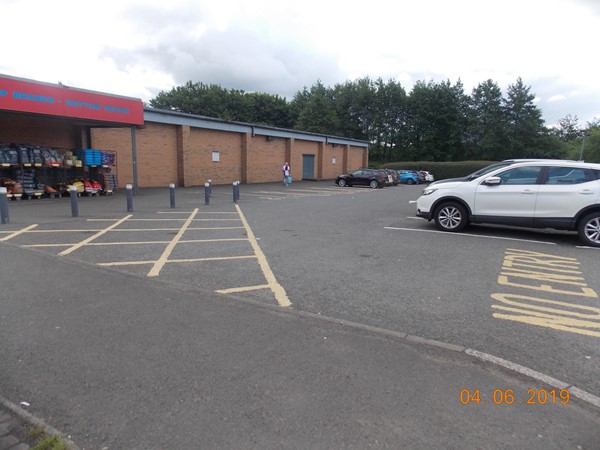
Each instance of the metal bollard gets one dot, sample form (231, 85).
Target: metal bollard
(210, 188)
(206, 193)
(172, 195)
(234, 192)
(4, 205)
(237, 191)
(74, 201)
(129, 188)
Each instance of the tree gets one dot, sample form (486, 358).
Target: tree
(318, 113)
(525, 123)
(568, 128)
(488, 123)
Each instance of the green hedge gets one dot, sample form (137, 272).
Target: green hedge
(441, 170)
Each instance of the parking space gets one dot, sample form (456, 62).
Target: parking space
(213, 250)
(357, 254)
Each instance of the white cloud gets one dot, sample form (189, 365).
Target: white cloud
(139, 47)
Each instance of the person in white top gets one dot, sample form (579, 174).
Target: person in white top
(286, 174)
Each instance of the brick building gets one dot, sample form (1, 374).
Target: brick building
(155, 148)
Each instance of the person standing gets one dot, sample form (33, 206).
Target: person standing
(286, 174)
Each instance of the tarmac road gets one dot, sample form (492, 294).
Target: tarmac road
(119, 360)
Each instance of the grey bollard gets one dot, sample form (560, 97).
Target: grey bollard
(234, 193)
(172, 195)
(4, 205)
(237, 190)
(129, 188)
(210, 188)
(206, 193)
(74, 201)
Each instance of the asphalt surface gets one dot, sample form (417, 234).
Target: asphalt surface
(377, 349)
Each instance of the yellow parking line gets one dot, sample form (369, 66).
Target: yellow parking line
(277, 289)
(160, 263)
(215, 228)
(218, 258)
(126, 263)
(243, 289)
(16, 233)
(91, 238)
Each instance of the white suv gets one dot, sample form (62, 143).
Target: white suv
(537, 193)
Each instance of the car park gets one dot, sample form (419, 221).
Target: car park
(408, 176)
(373, 178)
(555, 194)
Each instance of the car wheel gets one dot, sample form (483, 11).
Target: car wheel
(410, 181)
(341, 182)
(450, 217)
(589, 229)
(374, 184)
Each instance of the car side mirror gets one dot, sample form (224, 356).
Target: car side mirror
(492, 181)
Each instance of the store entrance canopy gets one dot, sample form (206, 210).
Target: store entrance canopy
(17, 94)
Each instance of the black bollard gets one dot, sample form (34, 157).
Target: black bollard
(74, 201)
(206, 193)
(237, 191)
(129, 189)
(172, 195)
(4, 205)
(210, 188)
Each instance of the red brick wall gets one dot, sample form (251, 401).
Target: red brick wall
(162, 150)
(199, 153)
(356, 158)
(330, 170)
(265, 159)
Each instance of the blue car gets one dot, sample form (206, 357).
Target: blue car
(408, 176)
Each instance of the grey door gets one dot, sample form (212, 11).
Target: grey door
(308, 167)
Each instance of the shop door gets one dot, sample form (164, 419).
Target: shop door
(308, 167)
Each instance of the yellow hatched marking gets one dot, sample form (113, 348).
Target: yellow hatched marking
(126, 263)
(87, 230)
(218, 258)
(16, 233)
(243, 289)
(160, 263)
(91, 238)
(134, 263)
(276, 288)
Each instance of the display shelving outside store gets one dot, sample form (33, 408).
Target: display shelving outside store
(31, 172)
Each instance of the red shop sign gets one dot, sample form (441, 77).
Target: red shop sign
(41, 98)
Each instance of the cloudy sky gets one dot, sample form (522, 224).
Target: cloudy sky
(137, 48)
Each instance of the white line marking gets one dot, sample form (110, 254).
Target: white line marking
(470, 235)
(91, 238)
(165, 256)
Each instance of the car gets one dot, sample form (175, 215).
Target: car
(428, 176)
(494, 166)
(557, 194)
(395, 178)
(408, 176)
(373, 178)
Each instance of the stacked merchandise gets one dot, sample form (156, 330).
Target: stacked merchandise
(109, 182)
(27, 180)
(91, 157)
(9, 155)
(108, 159)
